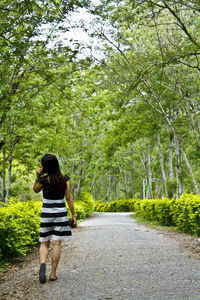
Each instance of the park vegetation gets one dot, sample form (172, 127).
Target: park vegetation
(120, 111)
(125, 124)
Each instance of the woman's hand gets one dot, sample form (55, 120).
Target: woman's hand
(38, 172)
(74, 222)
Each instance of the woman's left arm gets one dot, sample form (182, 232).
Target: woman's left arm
(70, 201)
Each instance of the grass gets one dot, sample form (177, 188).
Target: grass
(152, 224)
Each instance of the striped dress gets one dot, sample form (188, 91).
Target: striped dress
(54, 220)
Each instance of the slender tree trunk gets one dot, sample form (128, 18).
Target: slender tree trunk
(132, 178)
(171, 175)
(125, 184)
(79, 181)
(150, 173)
(72, 186)
(93, 182)
(196, 114)
(109, 188)
(4, 176)
(178, 171)
(162, 166)
(146, 161)
(9, 180)
(1, 191)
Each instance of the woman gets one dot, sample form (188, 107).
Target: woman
(55, 224)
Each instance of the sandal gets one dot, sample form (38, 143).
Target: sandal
(42, 273)
(53, 278)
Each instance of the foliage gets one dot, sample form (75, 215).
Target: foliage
(125, 124)
(122, 205)
(183, 213)
(19, 227)
(84, 205)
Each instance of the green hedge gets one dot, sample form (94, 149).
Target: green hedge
(184, 213)
(19, 227)
(123, 205)
(20, 224)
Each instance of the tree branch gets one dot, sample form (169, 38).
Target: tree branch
(182, 24)
(16, 140)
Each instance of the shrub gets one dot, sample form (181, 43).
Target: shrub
(19, 227)
(123, 205)
(86, 201)
(98, 205)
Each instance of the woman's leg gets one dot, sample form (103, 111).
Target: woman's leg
(55, 257)
(44, 246)
(43, 258)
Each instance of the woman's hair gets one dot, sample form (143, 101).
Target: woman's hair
(51, 167)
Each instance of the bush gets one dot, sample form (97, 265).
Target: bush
(98, 205)
(19, 227)
(123, 205)
(86, 201)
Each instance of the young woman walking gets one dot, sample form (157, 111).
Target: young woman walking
(55, 225)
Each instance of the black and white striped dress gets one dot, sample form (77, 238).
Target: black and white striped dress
(54, 220)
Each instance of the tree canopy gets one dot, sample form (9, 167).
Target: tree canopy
(123, 125)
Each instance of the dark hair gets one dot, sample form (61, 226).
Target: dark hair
(51, 167)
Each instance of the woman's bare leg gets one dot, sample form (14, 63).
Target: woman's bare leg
(44, 246)
(43, 258)
(55, 257)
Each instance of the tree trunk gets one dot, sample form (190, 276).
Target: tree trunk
(109, 188)
(79, 180)
(93, 182)
(146, 162)
(149, 173)
(178, 171)
(125, 185)
(9, 180)
(4, 176)
(132, 179)
(1, 191)
(162, 166)
(171, 175)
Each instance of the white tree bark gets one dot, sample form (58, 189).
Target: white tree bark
(171, 174)
(162, 166)
(178, 170)
(8, 180)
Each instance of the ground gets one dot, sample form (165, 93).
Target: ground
(113, 257)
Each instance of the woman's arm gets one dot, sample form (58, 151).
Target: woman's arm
(70, 201)
(37, 186)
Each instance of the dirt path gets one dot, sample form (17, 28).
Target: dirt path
(111, 257)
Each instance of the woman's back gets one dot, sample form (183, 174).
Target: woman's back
(51, 192)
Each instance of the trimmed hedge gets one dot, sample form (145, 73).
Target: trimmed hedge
(84, 205)
(20, 224)
(19, 227)
(123, 205)
(184, 213)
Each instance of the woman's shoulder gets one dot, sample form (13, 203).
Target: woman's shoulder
(42, 179)
(67, 177)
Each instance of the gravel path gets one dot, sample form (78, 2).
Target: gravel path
(111, 257)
